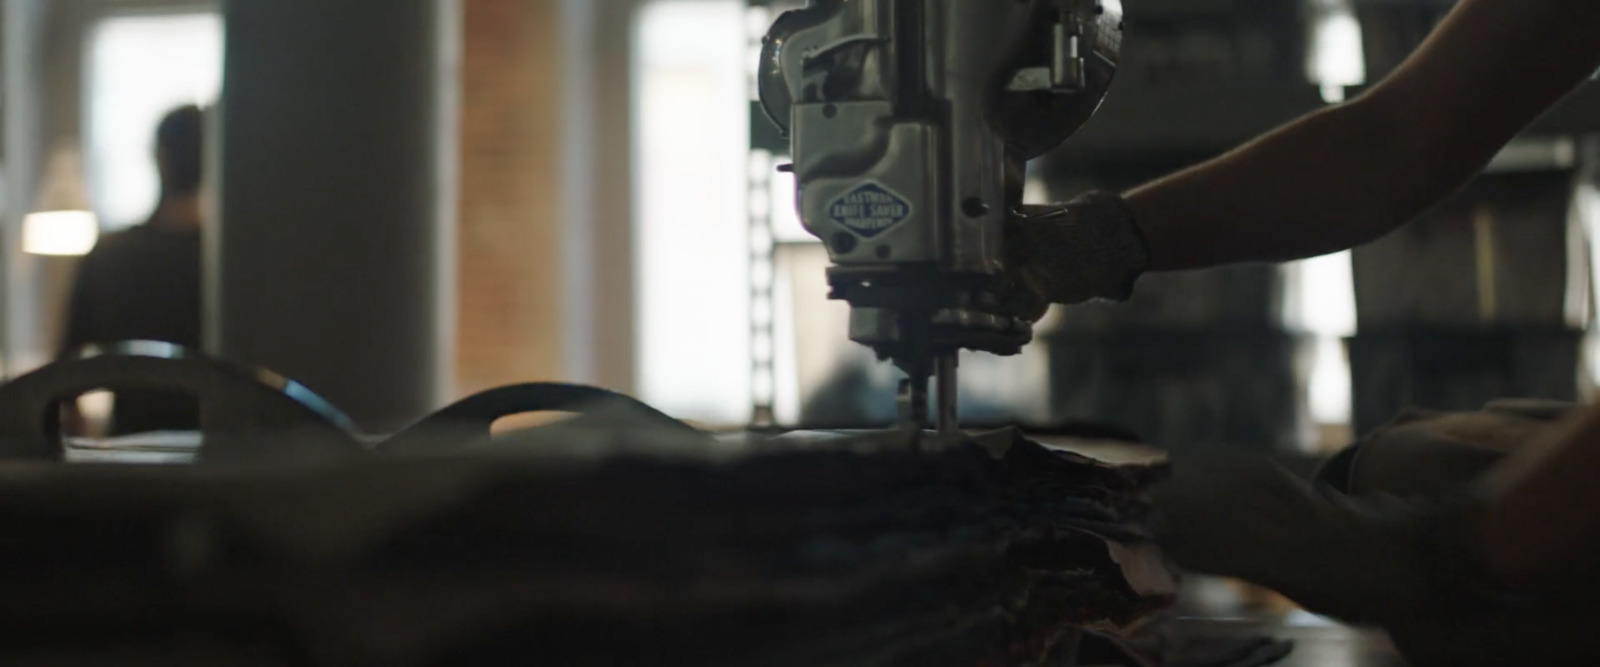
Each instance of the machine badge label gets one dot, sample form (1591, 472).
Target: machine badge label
(869, 210)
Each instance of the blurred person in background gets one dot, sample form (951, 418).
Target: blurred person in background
(144, 283)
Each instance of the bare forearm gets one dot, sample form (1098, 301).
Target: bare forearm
(1319, 185)
(1344, 176)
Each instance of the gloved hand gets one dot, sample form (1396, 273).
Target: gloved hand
(1084, 250)
(1434, 454)
(1377, 559)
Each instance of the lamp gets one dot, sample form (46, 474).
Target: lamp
(62, 224)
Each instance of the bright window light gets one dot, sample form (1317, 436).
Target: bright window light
(60, 233)
(691, 154)
(1327, 295)
(1588, 210)
(141, 67)
(1324, 305)
(786, 223)
(1337, 58)
(1332, 403)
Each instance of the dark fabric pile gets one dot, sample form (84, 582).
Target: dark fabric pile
(800, 550)
(616, 537)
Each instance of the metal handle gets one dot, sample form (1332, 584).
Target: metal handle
(246, 414)
(469, 421)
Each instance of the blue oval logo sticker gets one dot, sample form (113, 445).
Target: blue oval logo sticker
(869, 210)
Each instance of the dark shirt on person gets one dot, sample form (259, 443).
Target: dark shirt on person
(140, 284)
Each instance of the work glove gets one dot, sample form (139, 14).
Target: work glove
(1434, 454)
(1377, 559)
(1070, 253)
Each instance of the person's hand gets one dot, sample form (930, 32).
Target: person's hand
(1368, 559)
(1423, 454)
(1084, 250)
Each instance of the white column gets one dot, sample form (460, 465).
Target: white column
(332, 256)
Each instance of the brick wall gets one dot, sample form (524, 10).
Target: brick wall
(509, 300)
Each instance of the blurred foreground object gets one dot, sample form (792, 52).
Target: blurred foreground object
(617, 537)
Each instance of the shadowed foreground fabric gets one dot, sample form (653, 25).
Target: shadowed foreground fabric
(1383, 536)
(576, 545)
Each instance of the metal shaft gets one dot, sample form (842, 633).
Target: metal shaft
(913, 402)
(918, 362)
(944, 368)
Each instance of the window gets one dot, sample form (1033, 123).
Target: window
(1337, 60)
(139, 68)
(692, 150)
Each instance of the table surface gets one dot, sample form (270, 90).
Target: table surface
(1221, 608)
(1315, 645)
